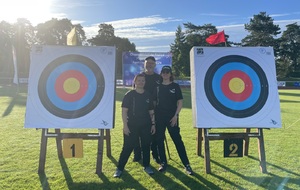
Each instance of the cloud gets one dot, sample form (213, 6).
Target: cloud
(136, 28)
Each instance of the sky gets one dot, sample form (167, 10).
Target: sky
(151, 25)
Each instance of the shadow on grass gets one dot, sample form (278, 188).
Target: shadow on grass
(44, 181)
(289, 101)
(288, 94)
(270, 181)
(233, 172)
(16, 100)
(278, 167)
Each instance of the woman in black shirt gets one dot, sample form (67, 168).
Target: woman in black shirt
(138, 123)
(168, 97)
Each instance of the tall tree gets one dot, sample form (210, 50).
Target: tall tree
(180, 54)
(106, 37)
(262, 31)
(54, 32)
(289, 51)
(6, 35)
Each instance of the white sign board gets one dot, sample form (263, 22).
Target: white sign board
(71, 87)
(234, 87)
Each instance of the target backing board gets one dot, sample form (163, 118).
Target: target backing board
(71, 87)
(234, 87)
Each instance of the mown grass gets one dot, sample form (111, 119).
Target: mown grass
(20, 148)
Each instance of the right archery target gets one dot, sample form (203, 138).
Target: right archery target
(234, 87)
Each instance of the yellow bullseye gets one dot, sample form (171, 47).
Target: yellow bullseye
(71, 85)
(236, 85)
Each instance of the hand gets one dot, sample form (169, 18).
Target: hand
(153, 129)
(126, 130)
(173, 121)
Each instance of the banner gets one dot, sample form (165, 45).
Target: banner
(133, 63)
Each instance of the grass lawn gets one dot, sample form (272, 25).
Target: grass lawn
(20, 148)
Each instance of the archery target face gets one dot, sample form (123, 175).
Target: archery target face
(234, 87)
(71, 87)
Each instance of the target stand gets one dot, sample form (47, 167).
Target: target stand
(204, 136)
(104, 134)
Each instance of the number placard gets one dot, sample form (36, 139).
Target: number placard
(73, 148)
(233, 147)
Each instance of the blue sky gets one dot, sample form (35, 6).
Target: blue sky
(151, 25)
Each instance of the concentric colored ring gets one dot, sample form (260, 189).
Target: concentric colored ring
(236, 85)
(71, 86)
(240, 101)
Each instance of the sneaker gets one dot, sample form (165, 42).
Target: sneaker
(118, 173)
(148, 170)
(162, 167)
(188, 169)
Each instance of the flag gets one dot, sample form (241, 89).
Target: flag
(216, 38)
(72, 38)
(16, 79)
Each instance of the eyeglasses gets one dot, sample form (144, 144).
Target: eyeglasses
(165, 72)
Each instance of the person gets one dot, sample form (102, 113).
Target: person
(152, 80)
(138, 124)
(169, 101)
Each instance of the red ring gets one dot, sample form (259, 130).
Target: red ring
(237, 97)
(61, 93)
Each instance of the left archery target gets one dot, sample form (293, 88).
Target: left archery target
(71, 86)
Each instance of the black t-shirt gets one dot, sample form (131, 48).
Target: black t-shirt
(151, 82)
(138, 106)
(166, 97)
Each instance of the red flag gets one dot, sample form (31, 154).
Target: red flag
(216, 38)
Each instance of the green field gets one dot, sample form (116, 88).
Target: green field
(20, 149)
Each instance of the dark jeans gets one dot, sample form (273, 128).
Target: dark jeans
(138, 152)
(138, 135)
(163, 122)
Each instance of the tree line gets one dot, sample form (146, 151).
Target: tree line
(261, 28)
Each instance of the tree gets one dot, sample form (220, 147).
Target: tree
(6, 34)
(180, 54)
(106, 37)
(289, 51)
(262, 31)
(54, 32)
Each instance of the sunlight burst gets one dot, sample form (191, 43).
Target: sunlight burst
(34, 10)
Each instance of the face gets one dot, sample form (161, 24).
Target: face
(165, 74)
(140, 82)
(150, 65)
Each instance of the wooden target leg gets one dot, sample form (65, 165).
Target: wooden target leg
(206, 151)
(43, 150)
(261, 149)
(199, 141)
(100, 153)
(246, 143)
(58, 144)
(108, 144)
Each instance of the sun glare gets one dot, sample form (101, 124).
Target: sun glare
(35, 11)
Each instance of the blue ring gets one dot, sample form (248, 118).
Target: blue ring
(71, 106)
(217, 80)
